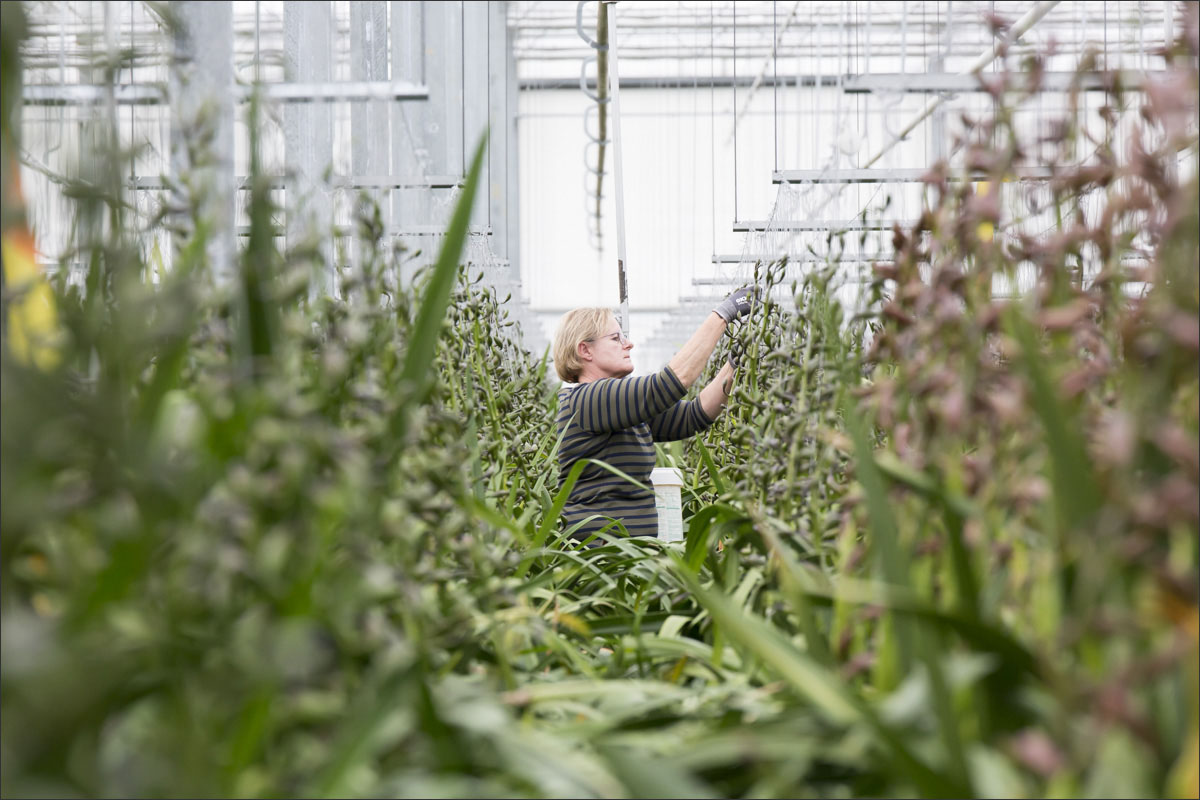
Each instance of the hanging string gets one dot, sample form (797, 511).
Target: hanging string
(775, 82)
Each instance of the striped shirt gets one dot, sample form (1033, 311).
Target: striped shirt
(617, 421)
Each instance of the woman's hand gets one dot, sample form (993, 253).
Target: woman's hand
(737, 304)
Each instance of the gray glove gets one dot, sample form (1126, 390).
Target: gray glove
(737, 304)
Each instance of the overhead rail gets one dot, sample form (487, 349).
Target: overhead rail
(732, 259)
(413, 230)
(341, 90)
(82, 94)
(831, 225)
(152, 183)
(930, 82)
(898, 175)
(148, 94)
(719, 81)
(792, 260)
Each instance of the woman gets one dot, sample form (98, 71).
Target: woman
(609, 417)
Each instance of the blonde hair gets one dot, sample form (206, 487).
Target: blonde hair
(576, 326)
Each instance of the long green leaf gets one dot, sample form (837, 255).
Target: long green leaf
(417, 374)
(821, 687)
(894, 566)
(713, 472)
(1076, 493)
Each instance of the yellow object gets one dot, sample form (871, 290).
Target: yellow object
(32, 320)
(1184, 779)
(986, 230)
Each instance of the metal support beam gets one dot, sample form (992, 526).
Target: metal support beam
(356, 91)
(369, 124)
(502, 206)
(716, 81)
(410, 230)
(308, 131)
(733, 259)
(427, 47)
(792, 262)
(926, 83)
(901, 175)
(82, 94)
(475, 101)
(511, 182)
(340, 91)
(834, 225)
(154, 183)
(201, 80)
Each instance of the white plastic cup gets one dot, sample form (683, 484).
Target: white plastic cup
(668, 501)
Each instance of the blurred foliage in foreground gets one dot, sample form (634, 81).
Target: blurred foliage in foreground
(255, 544)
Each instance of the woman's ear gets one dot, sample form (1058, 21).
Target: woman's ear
(583, 351)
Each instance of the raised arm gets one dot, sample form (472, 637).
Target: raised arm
(716, 393)
(686, 419)
(689, 362)
(613, 404)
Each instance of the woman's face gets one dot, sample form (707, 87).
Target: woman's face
(610, 353)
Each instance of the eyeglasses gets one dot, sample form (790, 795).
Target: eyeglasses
(618, 338)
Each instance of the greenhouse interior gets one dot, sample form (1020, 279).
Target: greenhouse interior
(600, 399)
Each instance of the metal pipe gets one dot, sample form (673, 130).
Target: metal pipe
(618, 173)
(894, 175)
(150, 94)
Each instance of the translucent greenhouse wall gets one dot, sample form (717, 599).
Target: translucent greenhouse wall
(381, 97)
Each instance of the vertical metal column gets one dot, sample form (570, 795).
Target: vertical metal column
(475, 102)
(614, 81)
(410, 121)
(201, 93)
(427, 48)
(371, 154)
(938, 66)
(511, 198)
(308, 130)
(369, 62)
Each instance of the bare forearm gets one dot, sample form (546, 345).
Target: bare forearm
(689, 362)
(714, 395)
